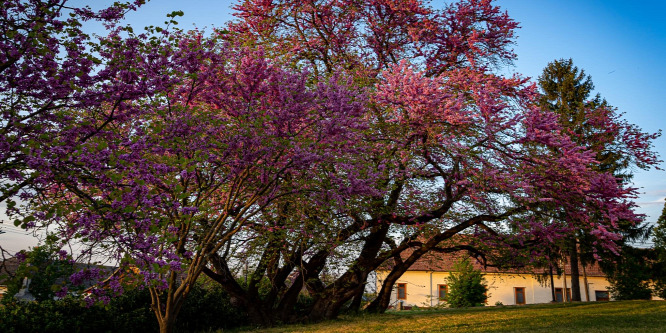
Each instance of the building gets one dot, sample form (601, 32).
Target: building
(425, 283)
(7, 267)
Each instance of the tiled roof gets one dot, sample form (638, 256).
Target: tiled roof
(444, 262)
(7, 268)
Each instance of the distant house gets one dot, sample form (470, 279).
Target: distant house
(7, 268)
(425, 283)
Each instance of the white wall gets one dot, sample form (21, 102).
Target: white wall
(422, 287)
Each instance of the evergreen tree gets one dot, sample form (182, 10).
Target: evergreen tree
(592, 123)
(659, 233)
(659, 266)
(566, 90)
(630, 275)
(467, 286)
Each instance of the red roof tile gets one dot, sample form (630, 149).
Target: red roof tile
(444, 262)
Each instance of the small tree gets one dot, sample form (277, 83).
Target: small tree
(47, 270)
(467, 286)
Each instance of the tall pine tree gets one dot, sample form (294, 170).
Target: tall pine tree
(594, 124)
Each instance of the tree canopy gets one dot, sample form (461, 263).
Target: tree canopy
(306, 144)
(618, 146)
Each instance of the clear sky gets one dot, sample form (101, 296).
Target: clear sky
(620, 43)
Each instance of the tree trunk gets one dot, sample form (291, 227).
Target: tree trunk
(383, 300)
(330, 301)
(587, 289)
(575, 275)
(325, 309)
(167, 323)
(255, 308)
(552, 284)
(355, 305)
(565, 294)
(167, 311)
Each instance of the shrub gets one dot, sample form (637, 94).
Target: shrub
(206, 309)
(467, 287)
(630, 275)
(47, 273)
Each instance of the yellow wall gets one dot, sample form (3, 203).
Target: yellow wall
(422, 287)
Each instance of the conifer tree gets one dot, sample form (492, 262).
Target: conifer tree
(467, 286)
(660, 233)
(659, 268)
(566, 90)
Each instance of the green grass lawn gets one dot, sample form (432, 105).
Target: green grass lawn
(627, 316)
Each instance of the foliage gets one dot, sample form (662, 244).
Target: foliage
(62, 90)
(47, 271)
(307, 144)
(65, 315)
(640, 273)
(467, 286)
(207, 308)
(659, 233)
(455, 148)
(192, 144)
(631, 274)
(659, 266)
(202, 171)
(49, 65)
(590, 121)
(617, 147)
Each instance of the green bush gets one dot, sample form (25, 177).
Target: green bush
(206, 309)
(631, 275)
(47, 273)
(209, 308)
(467, 287)
(66, 315)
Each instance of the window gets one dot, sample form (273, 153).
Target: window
(442, 291)
(402, 291)
(602, 295)
(520, 295)
(559, 297)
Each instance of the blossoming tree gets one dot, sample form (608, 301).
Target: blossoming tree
(309, 143)
(459, 149)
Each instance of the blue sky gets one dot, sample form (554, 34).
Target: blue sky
(621, 44)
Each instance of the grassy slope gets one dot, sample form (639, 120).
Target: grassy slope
(628, 316)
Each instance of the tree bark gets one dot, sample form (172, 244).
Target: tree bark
(575, 275)
(167, 324)
(552, 283)
(255, 307)
(352, 283)
(355, 305)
